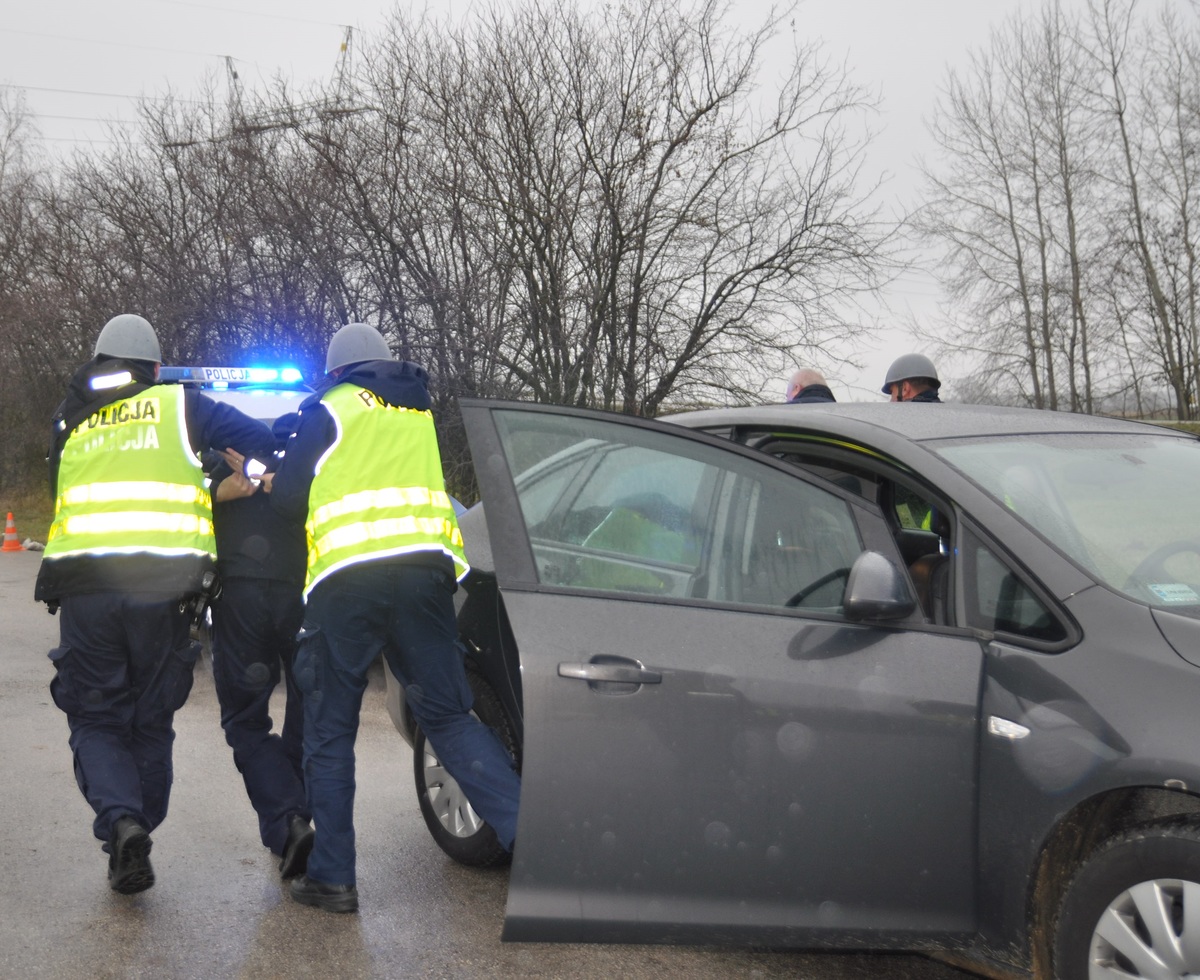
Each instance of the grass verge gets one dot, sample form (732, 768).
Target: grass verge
(31, 511)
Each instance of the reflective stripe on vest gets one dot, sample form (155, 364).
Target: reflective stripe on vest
(378, 491)
(129, 483)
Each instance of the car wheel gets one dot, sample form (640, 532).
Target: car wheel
(453, 822)
(1133, 909)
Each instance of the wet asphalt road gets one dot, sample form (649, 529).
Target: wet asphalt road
(217, 909)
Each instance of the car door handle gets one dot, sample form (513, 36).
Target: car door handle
(632, 673)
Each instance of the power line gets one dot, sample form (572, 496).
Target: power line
(77, 139)
(155, 48)
(122, 122)
(102, 95)
(342, 103)
(114, 44)
(252, 13)
(92, 119)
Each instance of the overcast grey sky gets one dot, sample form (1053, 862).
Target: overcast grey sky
(82, 63)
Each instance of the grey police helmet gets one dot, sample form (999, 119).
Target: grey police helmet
(356, 342)
(131, 337)
(908, 366)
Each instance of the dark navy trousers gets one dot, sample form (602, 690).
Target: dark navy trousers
(406, 612)
(255, 623)
(123, 668)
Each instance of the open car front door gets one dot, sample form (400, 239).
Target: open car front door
(714, 752)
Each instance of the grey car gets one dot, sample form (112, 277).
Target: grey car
(906, 676)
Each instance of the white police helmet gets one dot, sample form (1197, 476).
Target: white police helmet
(131, 337)
(356, 342)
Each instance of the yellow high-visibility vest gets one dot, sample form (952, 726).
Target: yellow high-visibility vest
(129, 483)
(378, 491)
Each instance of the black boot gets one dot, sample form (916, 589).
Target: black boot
(331, 898)
(129, 868)
(298, 847)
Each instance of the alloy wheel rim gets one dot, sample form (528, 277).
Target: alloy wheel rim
(447, 799)
(1151, 931)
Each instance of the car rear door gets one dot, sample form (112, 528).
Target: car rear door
(713, 753)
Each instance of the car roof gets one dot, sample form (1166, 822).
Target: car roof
(915, 422)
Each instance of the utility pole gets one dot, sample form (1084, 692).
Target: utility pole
(344, 72)
(236, 113)
(342, 103)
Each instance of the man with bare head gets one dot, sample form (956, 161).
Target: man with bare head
(808, 387)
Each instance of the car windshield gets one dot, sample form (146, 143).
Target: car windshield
(1125, 507)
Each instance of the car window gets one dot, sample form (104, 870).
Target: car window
(792, 544)
(913, 511)
(999, 601)
(920, 526)
(840, 467)
(646, 513)
(548, 486)
(644, 501)
(1123, 507)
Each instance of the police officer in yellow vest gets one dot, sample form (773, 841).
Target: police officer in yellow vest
(384, 553)
(130, 545)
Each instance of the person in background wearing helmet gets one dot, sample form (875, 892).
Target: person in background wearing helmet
(261, 559)
(808, 387)
(131, 543)
(384, 552)
(912, 378)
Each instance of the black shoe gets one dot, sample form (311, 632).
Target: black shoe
(129, 868)
(331, 898)
(298, 847)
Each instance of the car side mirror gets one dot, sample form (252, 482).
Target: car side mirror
(877, 589)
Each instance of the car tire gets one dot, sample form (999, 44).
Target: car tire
(452, 822)
(1133, 908)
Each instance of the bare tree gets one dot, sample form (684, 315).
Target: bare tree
(642, 225)
(1170, 96)
(1062, 202)
(618, 208)
(985, 210)
(1112, 23)
(26, 306)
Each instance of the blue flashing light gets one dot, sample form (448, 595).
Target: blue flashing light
(223, 377)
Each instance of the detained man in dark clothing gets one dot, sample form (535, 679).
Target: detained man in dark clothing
(256, 618)
(808, 387)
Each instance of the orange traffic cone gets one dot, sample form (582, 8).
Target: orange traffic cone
(11, 542)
